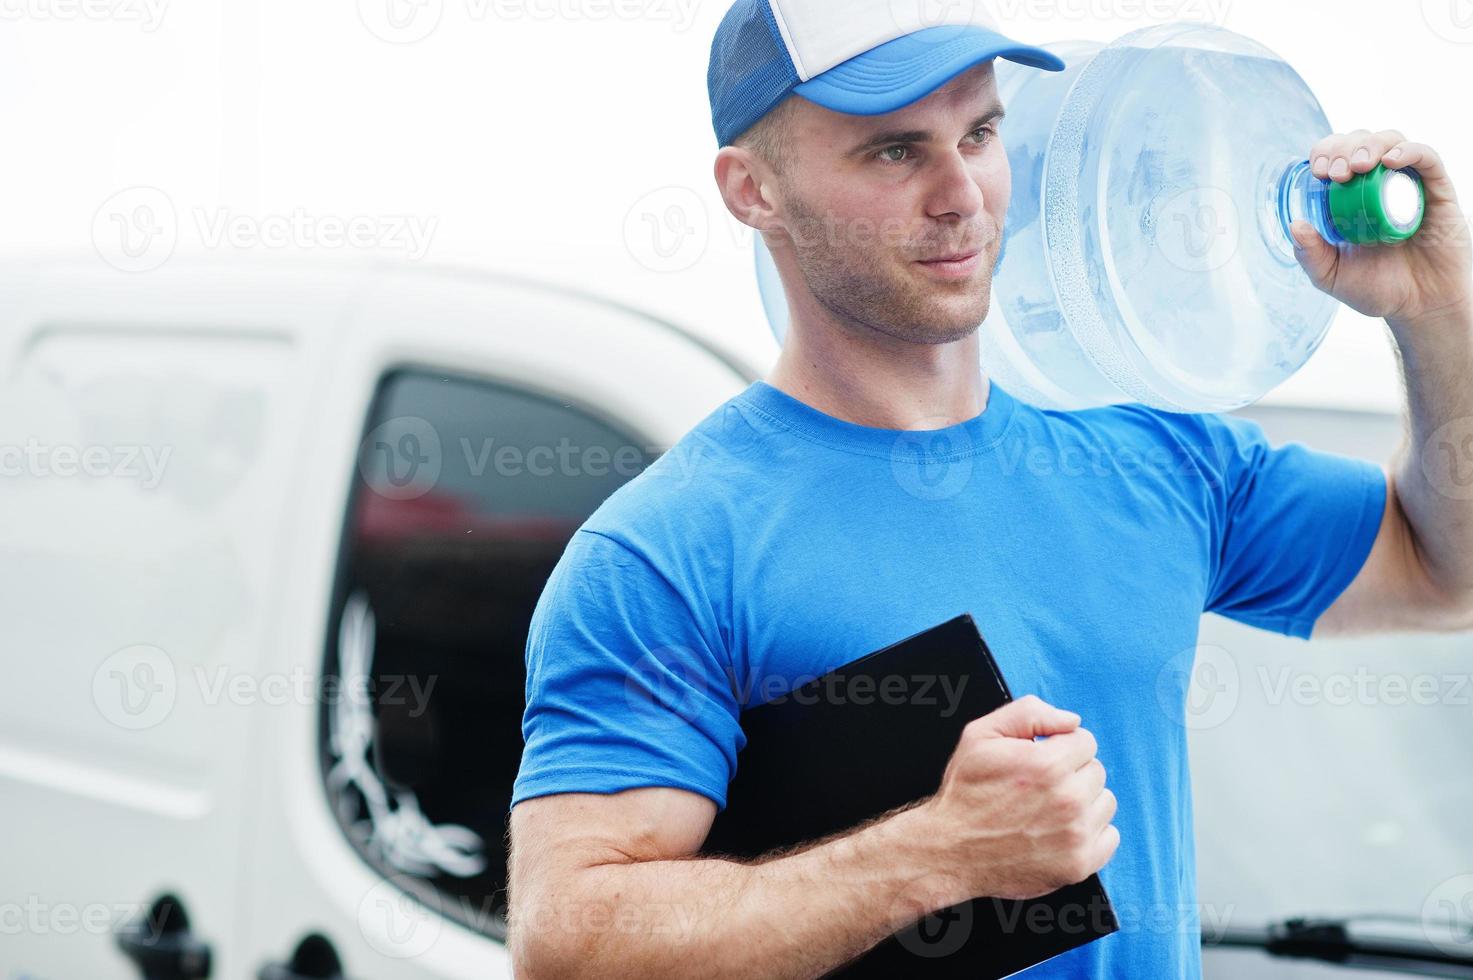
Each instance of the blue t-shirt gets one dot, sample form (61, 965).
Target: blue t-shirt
(775, 542)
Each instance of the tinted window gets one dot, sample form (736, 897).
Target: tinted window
(465, 495)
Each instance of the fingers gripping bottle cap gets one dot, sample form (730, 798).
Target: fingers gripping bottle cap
(1379, 206)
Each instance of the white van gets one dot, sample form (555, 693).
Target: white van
(271, 539)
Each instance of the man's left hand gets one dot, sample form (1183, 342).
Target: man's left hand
(1426, 276)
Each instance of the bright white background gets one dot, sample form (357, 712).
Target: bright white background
(546, 137)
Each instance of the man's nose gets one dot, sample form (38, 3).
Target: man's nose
(954, 188)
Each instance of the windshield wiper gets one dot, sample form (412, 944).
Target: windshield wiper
(1399, 944)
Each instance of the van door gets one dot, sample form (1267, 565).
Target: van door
(138, 486)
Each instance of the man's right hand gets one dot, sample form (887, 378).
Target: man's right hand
(1020, 818)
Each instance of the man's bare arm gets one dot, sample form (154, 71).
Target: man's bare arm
(1419, 574)
(608, 885)
(642, 907)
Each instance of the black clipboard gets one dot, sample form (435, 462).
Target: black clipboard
(874, 735)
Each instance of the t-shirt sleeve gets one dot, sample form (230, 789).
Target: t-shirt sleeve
(1292, 526)
(626, 685)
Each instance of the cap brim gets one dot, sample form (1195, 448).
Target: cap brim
(900, 71)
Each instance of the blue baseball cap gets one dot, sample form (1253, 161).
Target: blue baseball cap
(863, 57)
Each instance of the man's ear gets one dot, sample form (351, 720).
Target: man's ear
(747, 186)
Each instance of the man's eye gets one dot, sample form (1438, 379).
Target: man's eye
(887, 154)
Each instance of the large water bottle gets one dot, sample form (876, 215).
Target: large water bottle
(1146, 254)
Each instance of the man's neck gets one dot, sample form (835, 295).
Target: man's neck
(888, 384)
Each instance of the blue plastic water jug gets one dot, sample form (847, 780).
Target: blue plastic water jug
(1146, 254)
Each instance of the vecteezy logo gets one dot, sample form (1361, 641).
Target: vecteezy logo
(400, 459)
(1199, 687)
(1447, 459)
(1198, 228)
(917, 15)
(136, 229)
(938, 933)
(1447, 916)
(1451, 20)
(135, 687)
(666, 687)
(932, 464)
(396, 923)
(401, 21)
(667, 229)
(941, 933)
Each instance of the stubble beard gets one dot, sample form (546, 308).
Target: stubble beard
(860, 285)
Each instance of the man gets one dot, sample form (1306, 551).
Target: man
(877, 484)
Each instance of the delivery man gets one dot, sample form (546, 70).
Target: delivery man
(876, 483)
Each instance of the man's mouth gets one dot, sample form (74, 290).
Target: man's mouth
(952, 265)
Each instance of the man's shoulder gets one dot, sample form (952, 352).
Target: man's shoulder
(705, 476)
(1143, 440)
(1147, 424)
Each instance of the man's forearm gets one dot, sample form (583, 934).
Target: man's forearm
(1434, 472)
(798, 915)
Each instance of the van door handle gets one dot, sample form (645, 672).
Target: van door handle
(313, 959)
(161, 944)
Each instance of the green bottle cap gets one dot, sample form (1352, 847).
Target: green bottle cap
(1379, 206)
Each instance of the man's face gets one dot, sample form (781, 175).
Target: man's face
(868, 198)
